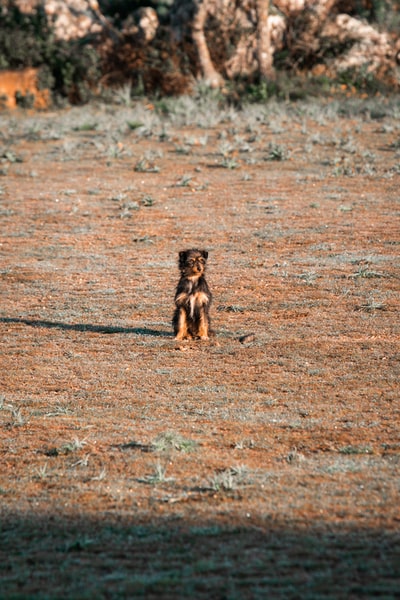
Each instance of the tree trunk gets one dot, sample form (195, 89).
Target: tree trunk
(264, 47)
(210, 74)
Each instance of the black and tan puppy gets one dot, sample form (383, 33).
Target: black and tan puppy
(192, 298)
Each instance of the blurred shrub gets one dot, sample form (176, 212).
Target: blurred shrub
(121, 9)
(69, 69)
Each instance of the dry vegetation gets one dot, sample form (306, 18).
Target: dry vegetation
(134, 465)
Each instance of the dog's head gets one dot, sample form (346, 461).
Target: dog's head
(192, 263)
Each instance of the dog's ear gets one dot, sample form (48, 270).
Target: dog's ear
(204, 254)
(182, 257)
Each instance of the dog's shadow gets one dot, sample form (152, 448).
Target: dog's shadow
(86, 327)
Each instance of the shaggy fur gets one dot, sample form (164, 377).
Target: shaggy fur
(192, 298)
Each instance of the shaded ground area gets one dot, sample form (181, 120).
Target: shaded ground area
(124, 559)
(136, 465)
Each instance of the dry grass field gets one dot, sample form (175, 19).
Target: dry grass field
(261, 464)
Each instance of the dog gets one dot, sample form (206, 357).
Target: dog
(191, 318)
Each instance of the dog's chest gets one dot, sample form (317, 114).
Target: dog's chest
(197, 300)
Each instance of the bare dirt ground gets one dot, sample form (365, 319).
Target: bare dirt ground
(133, 465)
